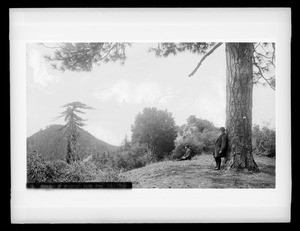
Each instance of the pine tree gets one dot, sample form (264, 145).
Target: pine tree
(73, 122)
(126, 145)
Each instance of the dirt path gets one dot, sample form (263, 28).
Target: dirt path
(200, 173)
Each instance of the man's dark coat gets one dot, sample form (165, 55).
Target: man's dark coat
(187, 154)
(221, 144)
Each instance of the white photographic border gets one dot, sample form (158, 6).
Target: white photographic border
(150, 25)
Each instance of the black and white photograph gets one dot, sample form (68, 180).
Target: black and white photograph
(160, 115)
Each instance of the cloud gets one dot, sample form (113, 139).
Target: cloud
(120, 91)
(135, 93)
(210, 110)
(41, 76)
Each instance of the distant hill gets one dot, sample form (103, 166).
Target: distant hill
(52, 144)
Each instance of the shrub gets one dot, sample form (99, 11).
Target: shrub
(55, 170)
(102, 159)
(39, 170)
(36, 168)
(195, 146)
(79, 172)
(199, 134)
(207, 139)
(156, 129)
(135, 157)
(264, 140)
(110, 175)
(121, 161)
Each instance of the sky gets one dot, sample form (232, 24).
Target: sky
(119, 92)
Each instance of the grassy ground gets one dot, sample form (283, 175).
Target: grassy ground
(199, 173)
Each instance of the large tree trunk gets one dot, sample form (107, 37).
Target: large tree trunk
(239, 87)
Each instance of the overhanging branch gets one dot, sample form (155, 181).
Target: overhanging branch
(204, 57)
(261, 74)
(48, 46)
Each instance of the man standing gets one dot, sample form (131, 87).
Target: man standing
(221, 147)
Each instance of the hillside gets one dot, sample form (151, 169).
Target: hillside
(200, 173)
(52, 144)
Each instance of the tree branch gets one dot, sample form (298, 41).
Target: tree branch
(114, 46)
(262, 55)
(48, 46)
(204, 57)
(260, 72)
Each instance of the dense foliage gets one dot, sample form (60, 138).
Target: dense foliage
(166, 49)
(198, 134)
(134, 157)
(82, 56)
(40, 170)
(264, 140)
(156, 130)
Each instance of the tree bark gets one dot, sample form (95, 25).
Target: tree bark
(239, 88)
(69, 153)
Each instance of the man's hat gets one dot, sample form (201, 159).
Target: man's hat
(222, 129)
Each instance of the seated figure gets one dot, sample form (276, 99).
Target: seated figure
(187, 155)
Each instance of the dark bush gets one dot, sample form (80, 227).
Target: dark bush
(102, 159)
(195, 146)
(121, 161)
(39, 170)
(80, 172)
(156, 129)
(199, 134)
(207, 138)
(135, 157)
(264, 141)
(36, 168)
